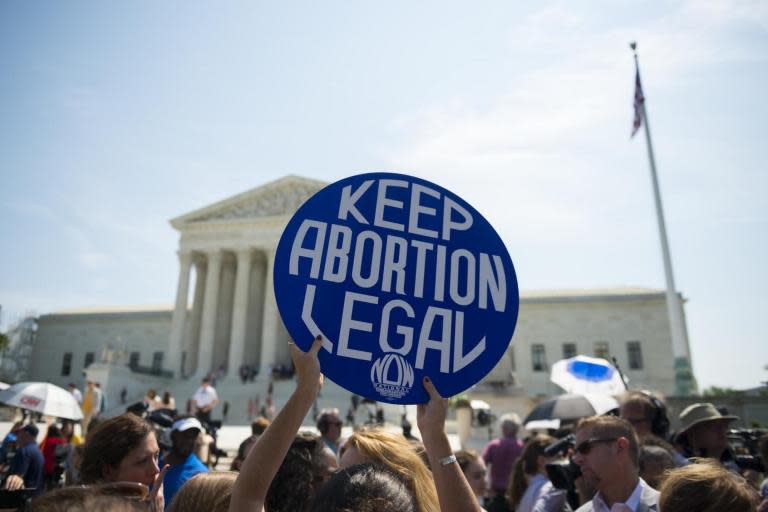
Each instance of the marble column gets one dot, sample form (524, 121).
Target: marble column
(179, 314)
(192, 336)
(239, 312)
(270, 319)
(210, 306)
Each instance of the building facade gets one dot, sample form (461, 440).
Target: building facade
(225, 313)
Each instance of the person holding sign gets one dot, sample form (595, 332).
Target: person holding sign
(393, 451)
(262, 463)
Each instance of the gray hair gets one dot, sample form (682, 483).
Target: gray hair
(656, 454)
(510, 422)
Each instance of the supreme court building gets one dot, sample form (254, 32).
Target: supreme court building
(224, 314)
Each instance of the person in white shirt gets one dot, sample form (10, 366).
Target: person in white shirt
(75, 393)
(607, 450)
(204, 400)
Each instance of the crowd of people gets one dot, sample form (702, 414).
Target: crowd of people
(624, 462)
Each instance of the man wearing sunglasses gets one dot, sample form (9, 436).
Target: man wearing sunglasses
(329, 424)
(607, 451)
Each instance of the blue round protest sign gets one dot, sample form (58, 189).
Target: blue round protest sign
(403, 279)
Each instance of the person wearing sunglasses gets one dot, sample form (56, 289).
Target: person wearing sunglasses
(607, 451)
(329, 424)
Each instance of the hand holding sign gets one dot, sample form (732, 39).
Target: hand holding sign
(430, 417)
(400, 278)
(307, 366)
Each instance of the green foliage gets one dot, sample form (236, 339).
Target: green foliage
(4, 341)
(715, 391)
(459, 401)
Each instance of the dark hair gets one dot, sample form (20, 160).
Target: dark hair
(240, 458)
(654, 461)
(655, 410)
(364, 488)
(324, 420)
(527, 464)
(167, 398)
(291, 489)
(53, 431)
(95, 422)
(109, 443)
(259, 425)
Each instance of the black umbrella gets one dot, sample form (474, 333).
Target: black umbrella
(569, 408)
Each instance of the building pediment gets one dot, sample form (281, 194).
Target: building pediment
(281, 197)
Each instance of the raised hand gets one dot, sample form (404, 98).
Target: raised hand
(156, 499)
(453, 491)
(307, 365)
(430, 416)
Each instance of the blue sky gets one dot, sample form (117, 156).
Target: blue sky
(117, 116)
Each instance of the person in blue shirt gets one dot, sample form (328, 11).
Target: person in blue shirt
(9, 440)
(182, 459)
(26, 469)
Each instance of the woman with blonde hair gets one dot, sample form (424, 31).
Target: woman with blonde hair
(393, 451)
(209, 492)
(706, 486)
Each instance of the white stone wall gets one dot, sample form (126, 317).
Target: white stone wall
(549, 320)
(141, 331)
(584, 321)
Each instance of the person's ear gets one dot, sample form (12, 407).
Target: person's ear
(623, 444)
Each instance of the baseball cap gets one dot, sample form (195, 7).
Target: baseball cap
(186, 424)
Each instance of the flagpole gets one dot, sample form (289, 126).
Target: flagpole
(684, 380)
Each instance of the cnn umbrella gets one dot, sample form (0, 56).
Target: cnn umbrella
(44, 398)
(569, 408)
(582, 374)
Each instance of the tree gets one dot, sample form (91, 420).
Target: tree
(714, 391)
(4, 341)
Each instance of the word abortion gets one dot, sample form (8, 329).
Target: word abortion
(389, 264)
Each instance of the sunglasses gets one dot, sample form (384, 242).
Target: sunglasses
(586, 446)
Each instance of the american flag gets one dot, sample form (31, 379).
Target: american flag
(639, 100)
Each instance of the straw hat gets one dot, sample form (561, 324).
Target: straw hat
(696, 414)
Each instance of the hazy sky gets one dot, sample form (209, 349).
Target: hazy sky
(117, 116)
